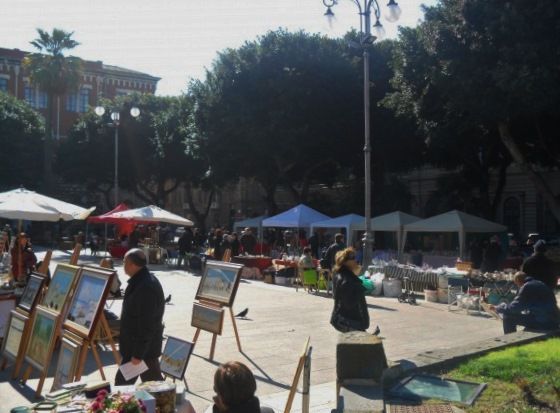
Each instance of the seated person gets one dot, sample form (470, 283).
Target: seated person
(235, 388)
(306, 260)
(533, 307)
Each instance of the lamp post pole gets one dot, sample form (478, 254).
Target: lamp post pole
(115, 118)
(365, 9)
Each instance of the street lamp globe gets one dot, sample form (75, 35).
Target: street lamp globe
(115, 116)
(99, 110)
(134, 112)
(393, 11)
(378, 30)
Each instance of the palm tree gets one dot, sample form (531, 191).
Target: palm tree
(56, 75)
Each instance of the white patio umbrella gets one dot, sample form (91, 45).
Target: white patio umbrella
(153, 213)
(27, 205)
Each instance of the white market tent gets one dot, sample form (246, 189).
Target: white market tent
(394, 222)
(352, 222)
(454, 221)
(250, 223)
(22, 204)
(300, 216)
(152, 213)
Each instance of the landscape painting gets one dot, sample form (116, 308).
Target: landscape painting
(219, 282)
(41, 340)
(60, 286)
(175, 357)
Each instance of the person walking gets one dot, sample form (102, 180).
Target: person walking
(185, 244)
(350, 311)
(141, 334)
(23, 259)
(331, 252)
(540, 267)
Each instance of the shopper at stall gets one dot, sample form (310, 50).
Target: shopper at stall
(185, 245)
(540, 267)
(350, 311)
(235, 388)
(533, 307)
(492, 256)
(330, 254)
(143, 306)
(248, 241)
(234, 244)
(306, 260)
(23, 259)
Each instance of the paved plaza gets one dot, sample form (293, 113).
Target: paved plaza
(277, 325)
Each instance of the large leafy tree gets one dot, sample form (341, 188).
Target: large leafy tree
(281, 109)
(489, 71)
(21, 130)
(55, 74)
(157, 151)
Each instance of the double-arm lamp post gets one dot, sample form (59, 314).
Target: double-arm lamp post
(365, 10)
(115, 117)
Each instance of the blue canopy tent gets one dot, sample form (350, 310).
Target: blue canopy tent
(300, 216)
(250, 223)
(352, 222)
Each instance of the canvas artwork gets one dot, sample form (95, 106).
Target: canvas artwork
(31, 292)
(219, 282)
(91, 289)
(14, 334)
(175, 357)
(67, 363)
(39, 347)
(207, 318)
(60, 286)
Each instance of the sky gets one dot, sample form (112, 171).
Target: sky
(176, 40)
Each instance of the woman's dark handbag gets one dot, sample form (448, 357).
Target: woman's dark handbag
(344, 325)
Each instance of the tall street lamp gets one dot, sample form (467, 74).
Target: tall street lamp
(115, 117)
(365, 9)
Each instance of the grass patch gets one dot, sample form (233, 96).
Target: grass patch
(520, 379)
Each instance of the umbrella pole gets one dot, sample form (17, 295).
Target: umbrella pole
(105, 240)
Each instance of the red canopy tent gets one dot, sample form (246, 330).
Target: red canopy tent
(106, 217)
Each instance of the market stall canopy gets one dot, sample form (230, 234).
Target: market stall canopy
(393, 221)
(152, 213)
(108, 218)
(250, 223)
(300, 216)
(455, 221)
(352, 222)
(27, 205)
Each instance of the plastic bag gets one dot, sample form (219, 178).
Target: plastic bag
(367, 283)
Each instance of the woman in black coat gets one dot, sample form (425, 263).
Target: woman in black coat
(350, 309)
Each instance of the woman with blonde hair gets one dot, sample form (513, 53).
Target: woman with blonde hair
(350, 309)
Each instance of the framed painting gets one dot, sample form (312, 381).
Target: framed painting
(41, 339)
(67, 361)
(219, 282)
(208, 318)
(13, 338)
(32, 291)
(175, 357)
(87, 301)
(61, 285)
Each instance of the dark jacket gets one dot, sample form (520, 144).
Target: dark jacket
(536, 299)
(540, 268)
(330, 255)
(350, 309)
(250, 406)
(248, 242)
(141, 332)
(185, 241)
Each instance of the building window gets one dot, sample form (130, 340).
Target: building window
(72, 103)
(84, 101)
(42, 100)
(3, 84)
(29, 94)
(512, 215)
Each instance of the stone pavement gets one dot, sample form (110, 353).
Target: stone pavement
(272, 336)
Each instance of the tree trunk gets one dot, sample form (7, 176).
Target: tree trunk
(502, 178)
(199, 216)
(48, 181)
(537, 180)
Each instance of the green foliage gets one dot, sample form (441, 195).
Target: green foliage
(21, 130)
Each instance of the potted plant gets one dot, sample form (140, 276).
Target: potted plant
(113, 403)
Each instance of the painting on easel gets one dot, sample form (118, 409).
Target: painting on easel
(219, 282)
(62, 282)
(86, 304)
(67, 361)
(14, 334)
(175, 357)
(42, 338)
(32, 291)
(208, 318)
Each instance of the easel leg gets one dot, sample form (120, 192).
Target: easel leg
(97, 360)
(40, 385)
(26, 374)
(196, 335)
(186, 385)
(105, 326)
(235, 329)
(213, 346)
(82, 361)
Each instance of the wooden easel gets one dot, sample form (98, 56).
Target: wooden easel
(214, 335)
(20, 356)
(44, 268)
(305, 355)
(75, 254)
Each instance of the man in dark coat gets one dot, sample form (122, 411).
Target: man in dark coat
(540, 267)
(141, 332)
(248, 241)
(185, 244)
(330, 254)
(533, 307)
